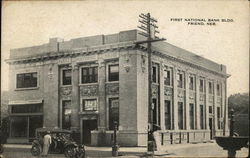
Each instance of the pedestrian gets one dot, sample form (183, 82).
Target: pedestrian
(46, 143)
(156, 135)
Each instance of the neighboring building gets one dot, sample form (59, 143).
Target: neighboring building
(86, 84)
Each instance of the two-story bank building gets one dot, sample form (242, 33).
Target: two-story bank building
(85, 84)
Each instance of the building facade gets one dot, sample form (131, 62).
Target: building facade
(86, 84)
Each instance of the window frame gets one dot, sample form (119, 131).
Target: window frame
(212, 87)
(218, 92)
(61, 71)
(108, 111)
(182, 81)
(27, 72)
(189, 82)
(166, 70)
(203, 90)
(81, 74)
(83, 106)
(108, 71)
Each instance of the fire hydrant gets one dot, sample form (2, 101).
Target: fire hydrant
(115, 146)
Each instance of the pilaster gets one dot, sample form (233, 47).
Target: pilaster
(175, 99)
(162, 102)
(102, 98)
(197, 103)
(75, 122)
(215, 122)
(207, 104)
(187, 100)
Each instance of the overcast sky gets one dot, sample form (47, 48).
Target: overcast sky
(33, 23)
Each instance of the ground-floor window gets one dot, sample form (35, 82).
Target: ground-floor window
(218, 117)
(167, 114)
(25, 126)
(66, 114)
(191, 116)
(113, 112)
(202, 117)
(180, 115)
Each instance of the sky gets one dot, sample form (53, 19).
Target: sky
(29, 23)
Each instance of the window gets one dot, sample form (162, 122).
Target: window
(167, 114)
(210, 109)
(180, 80)
(154, 74)
(218, 117)
(180, 115)
(113, 112)
(66, 114)
(113, 73)
(191, 116)
(202, 86)
(89, 75)
(210, 87)
(202, 117)
(26, 80)
(167, 77)
(218, 90)
(89, 105)
(66, 77)
(191, 82)
(27, 108)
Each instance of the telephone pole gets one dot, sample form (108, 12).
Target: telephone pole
(149, 30)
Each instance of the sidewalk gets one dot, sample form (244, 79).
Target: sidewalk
(177, 150)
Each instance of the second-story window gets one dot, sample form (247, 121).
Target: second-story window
(89, 75)
(202, 86)
(218, 90)
(191, 82)
(113, 73)
(210, 87)
(167, 77)
(26, 80)
(66, 77)
(180, 80)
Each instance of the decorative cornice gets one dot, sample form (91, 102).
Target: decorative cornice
(74, 53)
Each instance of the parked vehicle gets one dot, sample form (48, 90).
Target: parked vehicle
(62, 142)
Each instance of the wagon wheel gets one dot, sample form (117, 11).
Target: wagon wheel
(70, 152)
(35, 150)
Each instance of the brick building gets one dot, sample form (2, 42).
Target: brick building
(85, 84)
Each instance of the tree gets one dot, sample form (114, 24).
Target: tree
(239, 102)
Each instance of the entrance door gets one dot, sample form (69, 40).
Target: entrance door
(211, 127)
(87, 127)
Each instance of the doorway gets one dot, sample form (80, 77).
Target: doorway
(87, 127)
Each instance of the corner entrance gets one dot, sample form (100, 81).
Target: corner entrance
(87, 127)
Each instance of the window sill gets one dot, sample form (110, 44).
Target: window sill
(22, 89)
(89, 112)
(65, 85)
(111, 82)
(88, 84)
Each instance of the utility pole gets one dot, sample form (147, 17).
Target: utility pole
(148, 28)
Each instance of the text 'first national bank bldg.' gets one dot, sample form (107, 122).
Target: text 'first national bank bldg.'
(85, 84)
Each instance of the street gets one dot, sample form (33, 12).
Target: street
(178, 150)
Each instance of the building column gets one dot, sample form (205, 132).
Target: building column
(175, 100)
(162, 102)
(197, 103)
(215, 109)
(102, 98)
(225, 106)
(75, 122)
(207, 103)
(187, 100)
